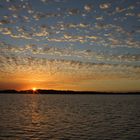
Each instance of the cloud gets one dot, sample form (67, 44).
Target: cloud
(120, 9)
(39, 15)
(85, 55)
(88, 7)
(73, 11)
(43, 32)
(14, 8)
(105, 6)
(4, 21)
(6, 31)
(38, 62)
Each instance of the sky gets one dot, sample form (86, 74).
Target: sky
(91, 45)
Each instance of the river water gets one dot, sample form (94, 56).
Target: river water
(69, 117)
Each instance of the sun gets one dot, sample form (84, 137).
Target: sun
(34, 89)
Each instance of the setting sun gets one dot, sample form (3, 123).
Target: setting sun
(34, 89)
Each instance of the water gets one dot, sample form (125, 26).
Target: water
(69, 117)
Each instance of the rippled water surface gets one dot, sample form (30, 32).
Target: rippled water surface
(69, 117)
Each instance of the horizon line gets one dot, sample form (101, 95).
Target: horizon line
(137, 91)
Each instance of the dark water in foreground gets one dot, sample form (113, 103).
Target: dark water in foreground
(69, 117)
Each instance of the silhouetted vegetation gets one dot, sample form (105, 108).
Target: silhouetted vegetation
(41, 91)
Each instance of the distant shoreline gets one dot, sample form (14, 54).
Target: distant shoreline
(39, 91)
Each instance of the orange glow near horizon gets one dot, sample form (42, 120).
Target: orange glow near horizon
(72, 84)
